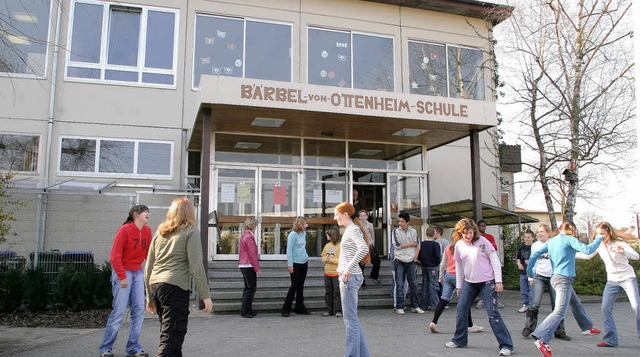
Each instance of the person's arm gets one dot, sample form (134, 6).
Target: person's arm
(578, 246)
(534, 257)
(459, 275)
(443, 267)
(519, 259)
(290, 243)
(252, 251)
(438, 254)
(151, 259)
(194, 255)
(629, 252)
(497, 270)
(323, 255)
(417, 255)
(582, 256)
(116, 256)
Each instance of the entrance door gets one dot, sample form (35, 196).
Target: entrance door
(406, 193)
(279, 206)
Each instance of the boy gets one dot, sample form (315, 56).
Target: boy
(524, 251)
(429, 254)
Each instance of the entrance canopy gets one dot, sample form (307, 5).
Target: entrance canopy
(448, 214)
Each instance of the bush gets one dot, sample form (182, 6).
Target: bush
(510, 272)
(66, 294)
(88, 288)
(35, 289)
(104, 296)
(11, 290)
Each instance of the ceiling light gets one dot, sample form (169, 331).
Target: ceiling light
(25, 17)
(247, 145)
(18, 40)
(409, 132)
(267, 122)
(366, 152)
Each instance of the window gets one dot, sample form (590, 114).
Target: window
(19, 152)
(238, 47)
(114, 156)
(444, 70)
(24, 35)
(351, 60)
(139, 45)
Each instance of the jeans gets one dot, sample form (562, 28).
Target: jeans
(297, 288)
(487, 291)
(332, 294)
(429, 287)
(356, 343)
(408, 271)
(525, 290)
(611, 291)
(448, 288)
(250, 286)
(172, 306)
(133, 296)
(539, 283)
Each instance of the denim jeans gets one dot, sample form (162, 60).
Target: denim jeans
(487, 291)
(611, 291)
(297, 288)
(429, 297)
(565, 297)
(250, 287)
(539, 283)
(525, 289)
(406, 271)
(133, 296)
(332, 294)
(172, 306)
(356, 343)
(448, 288)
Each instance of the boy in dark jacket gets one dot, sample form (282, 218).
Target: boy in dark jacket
(429, 255)
(524, 251)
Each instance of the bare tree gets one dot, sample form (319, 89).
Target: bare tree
(571, 77)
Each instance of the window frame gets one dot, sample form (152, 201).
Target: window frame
(102, 64)
(351, 33)
(46, 54)
(447, 69)
(96, 170)
(244, 41)
(37, 169)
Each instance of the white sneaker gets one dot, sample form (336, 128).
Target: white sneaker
(417, 310)
(451, 344)
(505, 352)
(524, 308)
(400, 311)
(475, 328)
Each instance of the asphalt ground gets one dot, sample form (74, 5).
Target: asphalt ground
(272, 335)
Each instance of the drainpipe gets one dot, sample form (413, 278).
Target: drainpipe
(41, 232)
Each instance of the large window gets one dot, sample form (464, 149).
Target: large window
(115, 157)
(19, 152)
(444, 70)
(236, 47)
(24, 35)
(139, 44)
(351, 60)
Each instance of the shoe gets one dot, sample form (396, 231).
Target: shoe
(480, 304)
(400, 311)
(451, 344)
(544, 349)
(285, 314)
(139, 354)
(107, 354)
(603, 344)
(246, 315)
(523, 309)
(326, 313)
(562, 336)
(338, 314)
(505, 352)
(475, 328)
(500, 305)
(526, 332)
(446, 307)
(591, 331)
(417, 310)
(433, 328)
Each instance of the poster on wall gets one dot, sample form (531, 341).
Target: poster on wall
(279, 195)
(244, 193)
(334, 196)
(227, 193)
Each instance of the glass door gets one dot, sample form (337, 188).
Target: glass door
(406, 193)
(279, 205)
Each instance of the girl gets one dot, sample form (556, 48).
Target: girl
(249, 265)
(297, 263)
(330, 254)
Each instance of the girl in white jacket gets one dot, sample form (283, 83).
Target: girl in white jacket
(615, 254)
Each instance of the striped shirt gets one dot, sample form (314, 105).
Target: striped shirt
(353, 248)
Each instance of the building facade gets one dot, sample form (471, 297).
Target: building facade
(269, 109)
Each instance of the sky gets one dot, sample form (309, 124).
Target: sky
(621, 200)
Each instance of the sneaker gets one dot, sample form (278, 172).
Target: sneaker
(338, 314)
(446, 307)
(326, 313)
(433, 328)
(139, 354)
(544, 349)
(591, 331)
(523, 309)
(107, 354)
(451, 344)
(400, 311)
(562, 336)
(526, 332)
(417, 310)
(500, 305)
(505, 352)
(475, 328)
(480, 304)
(603, 344)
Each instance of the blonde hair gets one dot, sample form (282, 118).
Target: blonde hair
(545, 227)
(298, 224)
(463, 225)
(612, 232)
(250, 223)
(181, 215)
(568, 228)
